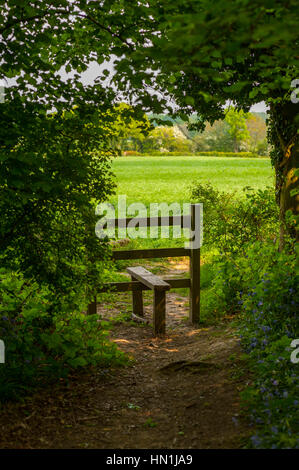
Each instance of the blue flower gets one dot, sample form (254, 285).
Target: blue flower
(259, 420)
(235, 421)
(256, 441)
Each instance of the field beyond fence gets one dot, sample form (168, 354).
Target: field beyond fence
(160, 179)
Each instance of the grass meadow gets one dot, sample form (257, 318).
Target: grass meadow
(167, 179)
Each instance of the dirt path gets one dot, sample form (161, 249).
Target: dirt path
(144, 406)
(181, 392)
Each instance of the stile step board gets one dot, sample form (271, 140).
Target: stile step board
(147, 278)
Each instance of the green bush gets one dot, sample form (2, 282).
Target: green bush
(253, 279)
(262, 287)
(269, 323)
(230, 222)
(42, 344)
(229, 154)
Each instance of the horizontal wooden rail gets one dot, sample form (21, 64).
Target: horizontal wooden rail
(159, 221)
(135, 285)
(138, 284)
(150, 253)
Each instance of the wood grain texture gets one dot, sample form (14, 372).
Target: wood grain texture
(159, 312)
(149, 279)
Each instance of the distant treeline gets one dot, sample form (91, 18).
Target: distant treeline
(239, 132)
(134, 153)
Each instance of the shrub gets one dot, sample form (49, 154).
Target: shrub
(260, 283)
(229, 154)
(263, 288)
(269, 322)
(230, 222)
(42, 344)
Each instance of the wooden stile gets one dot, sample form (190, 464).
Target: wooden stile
(141, 279)
(159, 221)
(159, 287)
(92, 307)
(175, 283)
(137, 299)
(159, 312)
(150, 253)
(149, 279)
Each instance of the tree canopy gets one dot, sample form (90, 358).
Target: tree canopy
(181, 58)
(203, 54)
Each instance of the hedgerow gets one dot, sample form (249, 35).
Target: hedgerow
(260, 285)
(155, 153)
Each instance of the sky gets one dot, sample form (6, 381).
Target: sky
(94, 70)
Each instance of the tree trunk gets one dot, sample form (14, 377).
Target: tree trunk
(285, 120)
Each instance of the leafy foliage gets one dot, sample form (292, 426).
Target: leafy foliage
(55, 156)
(269, 323)
(51, 174)
(43, 342)
(237, 131)
(207, 53)
(237, 126)
(231, 222)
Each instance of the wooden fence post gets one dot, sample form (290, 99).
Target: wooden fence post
(159, 311)
(137, 300)
(194, 314)
(92, 308)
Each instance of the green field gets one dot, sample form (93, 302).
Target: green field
(166, 179)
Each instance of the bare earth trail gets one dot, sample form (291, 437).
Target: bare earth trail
(182, 391)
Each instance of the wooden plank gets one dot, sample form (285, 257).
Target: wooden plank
(178, 283)
(137, 301)
(136, 285)
(159, 312)
(92, 307)
(194, 314)
(151, 253)
(172, 220)
(148, 278)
